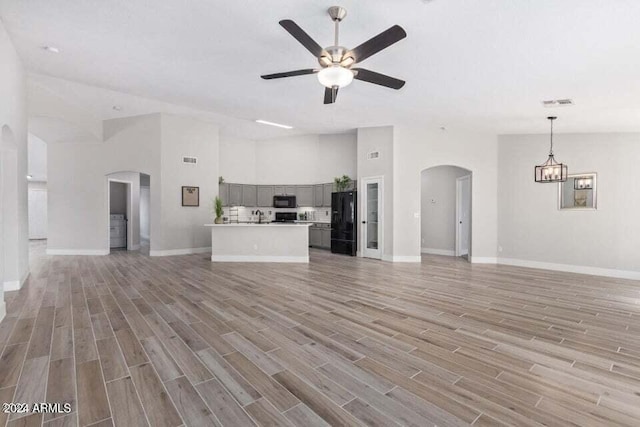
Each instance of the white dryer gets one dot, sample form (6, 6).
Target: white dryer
(118, 231)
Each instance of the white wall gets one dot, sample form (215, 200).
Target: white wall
(416, 149)
(145, 212)
(299, 159)
(181, 227)
(531, 227)
(37, 197)
(152, 144)
(14, 255)
(378, 139)
(37, 165)
(77, 182)
(238, 159)
(438, 209)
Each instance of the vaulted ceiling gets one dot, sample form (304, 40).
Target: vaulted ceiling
(484, 65)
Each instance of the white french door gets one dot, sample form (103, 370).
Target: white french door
(372, 217)
(463, 215)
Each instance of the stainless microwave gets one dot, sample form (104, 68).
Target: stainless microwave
(284, 202)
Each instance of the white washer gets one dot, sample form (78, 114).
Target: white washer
(118, 231)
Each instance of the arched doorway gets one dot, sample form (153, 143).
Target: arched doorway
(9, 250)
(445, 205)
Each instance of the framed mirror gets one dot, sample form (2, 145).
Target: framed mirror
(578, 192)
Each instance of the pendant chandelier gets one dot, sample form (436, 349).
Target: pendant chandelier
(551, 171)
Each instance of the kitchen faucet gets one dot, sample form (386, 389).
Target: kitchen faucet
(260, 215)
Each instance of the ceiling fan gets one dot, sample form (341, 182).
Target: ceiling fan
(337, 62)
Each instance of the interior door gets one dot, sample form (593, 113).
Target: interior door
(463, 215)
(37, 214)
(372, 218)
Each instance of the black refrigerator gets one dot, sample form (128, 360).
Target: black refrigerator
(344, 234)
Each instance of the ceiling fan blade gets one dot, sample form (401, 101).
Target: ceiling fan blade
(330, 94)
(289, 74)
(304, 38)
(377, 43)
(377, 78)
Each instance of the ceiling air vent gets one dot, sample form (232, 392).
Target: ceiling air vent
(187, 160)
(373, 155)
(558, 102)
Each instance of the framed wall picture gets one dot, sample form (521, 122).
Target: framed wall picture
(190, 196)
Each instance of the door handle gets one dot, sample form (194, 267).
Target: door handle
(364, 222)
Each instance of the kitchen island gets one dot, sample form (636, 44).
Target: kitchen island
(265, 242)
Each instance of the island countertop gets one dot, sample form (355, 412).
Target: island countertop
(255, 242)
(264, 224)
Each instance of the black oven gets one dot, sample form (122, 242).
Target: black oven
(284, 202)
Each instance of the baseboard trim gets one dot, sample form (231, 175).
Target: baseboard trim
(432, 251)
(90, 252)
(259, 258)
(483, 260)
(570, 268)
(173, 252)
(401, 258)
(134, 248)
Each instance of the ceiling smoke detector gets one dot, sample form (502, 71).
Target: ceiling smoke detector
(565, 102)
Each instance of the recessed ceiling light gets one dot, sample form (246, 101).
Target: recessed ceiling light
(51, 49)
(117, 107)
(264, 122)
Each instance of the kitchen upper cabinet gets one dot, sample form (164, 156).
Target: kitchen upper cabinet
(315, 237)
(328, 189)
(318, 195)
(223, 193)
(284, 190)
(304, 195)
(235, 194)
(265, 196)
(249, 195)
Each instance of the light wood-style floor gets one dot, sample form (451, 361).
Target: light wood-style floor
(130, 340)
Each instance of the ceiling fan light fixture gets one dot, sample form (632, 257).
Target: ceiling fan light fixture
(335, 76)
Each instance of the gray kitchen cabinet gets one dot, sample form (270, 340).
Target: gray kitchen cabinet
(328, 189)
(318, 195)
(325, 238)
(278, 190)
(315, 237)
(249, 195)
(223, 193)
(290, 190)
(235, 194)
(265, 196)
(304, 195)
